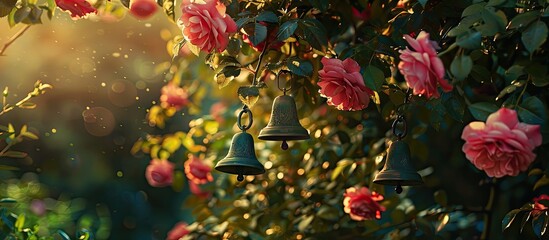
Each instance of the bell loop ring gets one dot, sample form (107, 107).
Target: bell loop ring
(239, 119)
(400, 120)
(284, 89)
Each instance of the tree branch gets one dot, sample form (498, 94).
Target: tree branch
(13, 38)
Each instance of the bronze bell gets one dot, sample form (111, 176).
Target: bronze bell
(284, 124)
(241, 159)
(398, 170)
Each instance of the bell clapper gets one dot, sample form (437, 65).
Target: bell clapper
(284, 145)
(398, 188)
(240, 177)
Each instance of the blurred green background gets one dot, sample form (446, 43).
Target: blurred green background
(104, 76)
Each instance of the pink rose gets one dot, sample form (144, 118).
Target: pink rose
(361, 204)
(77, 8)
(159, 173)
(422, 69)
(143, 8)
(174, 96)
(206, 25)
(197, 171)
(503, 146)
(178, 231)
(343, 85)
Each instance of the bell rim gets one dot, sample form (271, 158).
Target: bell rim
(393, 178)
(246, 169)
(270, 133)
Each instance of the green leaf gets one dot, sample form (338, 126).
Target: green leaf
(538, 225)
(470, 40)
(312, 31)
(8, 200)
(14, 154)
(267, 16)
(168, 7)
(63, 235)
(509, 89)
(305, 222)
(29, 135)
(509, 218)
(8, 168)
(243, 21)
(373, 77)
(461, 67)
(226, 75)
(493, 23)
(233, 48)
(286, 30)
(482, 110)
(492, 3)
(259, 34)
(534, 36)
(328, 213)
(480, 73)
(248, 95)
(532, 111)
(299, 66)
(543, 181)
(474, 9)
(538, 71)
(422, 2)
(20, 222)
(523, 19)
(6, 6)
(341, 165)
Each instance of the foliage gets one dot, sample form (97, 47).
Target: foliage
(494, 53)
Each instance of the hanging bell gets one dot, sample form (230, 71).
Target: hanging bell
(241, 159)
(284, 124)
(398, 170)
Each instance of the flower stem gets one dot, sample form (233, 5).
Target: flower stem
(13, 38)
(488, 212)
(259, 62)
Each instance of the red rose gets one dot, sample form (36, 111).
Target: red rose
(501, 146)
(343, 85)
(361, 204)
(206, 25)
(77, 8)
(143, 8)
(159, 173)
(197, 171)
(422, 69)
